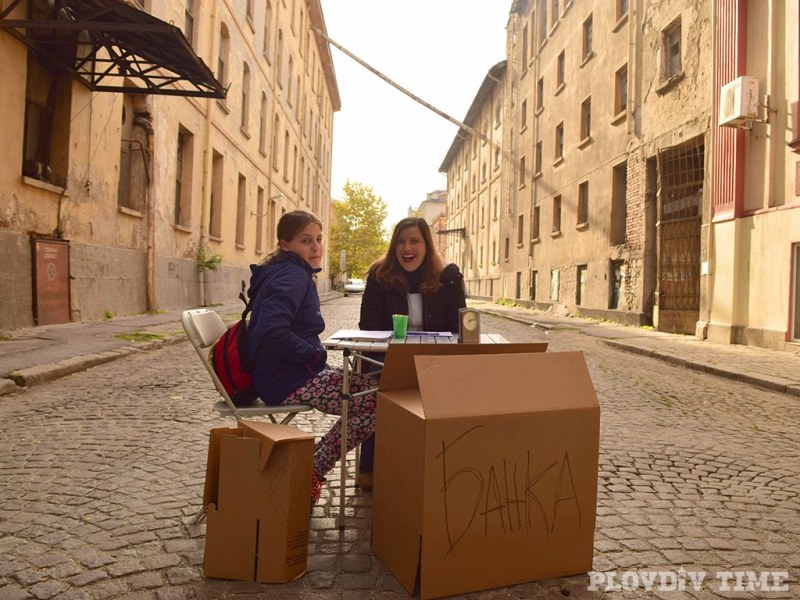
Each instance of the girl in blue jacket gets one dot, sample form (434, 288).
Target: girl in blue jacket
(289, 361)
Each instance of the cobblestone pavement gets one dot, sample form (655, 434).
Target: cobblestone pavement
(102, 471)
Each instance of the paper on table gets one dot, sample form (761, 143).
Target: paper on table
(436, 333)
(360, 334)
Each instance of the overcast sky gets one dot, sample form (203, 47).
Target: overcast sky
(440, 50)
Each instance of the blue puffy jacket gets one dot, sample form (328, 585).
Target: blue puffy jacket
(284, 327)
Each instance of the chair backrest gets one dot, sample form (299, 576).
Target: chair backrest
(203, 327)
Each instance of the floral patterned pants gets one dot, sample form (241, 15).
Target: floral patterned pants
(324, 393)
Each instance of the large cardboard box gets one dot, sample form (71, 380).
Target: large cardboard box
(485, 468)
(257, 502)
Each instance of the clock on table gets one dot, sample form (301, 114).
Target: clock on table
(469, 326)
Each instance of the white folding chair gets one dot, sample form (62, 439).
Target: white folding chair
(203, 327)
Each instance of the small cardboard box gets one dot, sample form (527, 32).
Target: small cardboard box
(256, 496)
(485, 468)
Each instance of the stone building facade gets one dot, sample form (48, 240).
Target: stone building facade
(626, 191)
(475, 188)
(109, 197)
(751, 262)
(596, 98)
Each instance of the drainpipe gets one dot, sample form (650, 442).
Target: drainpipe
(144, 119)
(205, 203)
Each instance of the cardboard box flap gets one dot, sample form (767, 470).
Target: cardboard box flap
(400, 373)
(271, 434)
(466, 386)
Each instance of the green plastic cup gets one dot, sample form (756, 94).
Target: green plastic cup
(400, 325)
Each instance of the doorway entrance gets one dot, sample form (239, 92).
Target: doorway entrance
(681, 171)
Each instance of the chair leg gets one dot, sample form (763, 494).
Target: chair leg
(198, 518)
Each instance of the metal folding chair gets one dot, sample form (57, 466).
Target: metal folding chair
(203, 327)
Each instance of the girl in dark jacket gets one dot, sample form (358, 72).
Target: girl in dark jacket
(289, 359)
(410, 280)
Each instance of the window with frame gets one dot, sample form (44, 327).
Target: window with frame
(537, 161)
(524, 49)
(521, 181)
(583, 204)
(260, 220)
(543, 22)
(275, 141)
(622, 9)
(555, 284)
(279, 60)
(222, 56)
(262, 125)
(559, 141)
(556, 215)
(534, 282)
(286, 155)
(586, 119)
(619, 207)
(289, 78)
(241, 205)
(554, 13)
(183, 178)
(267, 30)
(580, 284)
(520, 229)
(586, 46)
(540, 94)
(498, 111)
(535, 223)
(506, 249)
(45, 143)
(497, 158)
(671, 42)
(560, 71)
(523, 116)
(294, 168)
(621, 90)
(245, 117)
(188, 20)
(215, 212)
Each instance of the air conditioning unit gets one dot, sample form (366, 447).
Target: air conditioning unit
(738, 102)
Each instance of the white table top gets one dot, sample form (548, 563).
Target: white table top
(373, 342)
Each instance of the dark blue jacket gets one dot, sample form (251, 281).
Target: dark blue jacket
(284, 327)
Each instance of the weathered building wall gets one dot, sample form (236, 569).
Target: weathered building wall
(753, 262)
(272, 134)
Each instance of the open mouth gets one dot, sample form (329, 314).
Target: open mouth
(408, 258)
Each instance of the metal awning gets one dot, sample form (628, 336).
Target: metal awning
(113, 46)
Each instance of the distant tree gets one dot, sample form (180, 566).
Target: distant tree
(358, 228)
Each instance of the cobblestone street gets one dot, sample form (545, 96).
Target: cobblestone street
(101, 473)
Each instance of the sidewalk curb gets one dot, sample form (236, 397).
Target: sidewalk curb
(762, 381)
(20, 380)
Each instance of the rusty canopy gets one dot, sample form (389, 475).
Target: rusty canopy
(112, 46)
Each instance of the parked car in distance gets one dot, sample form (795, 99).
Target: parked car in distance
(354, 286)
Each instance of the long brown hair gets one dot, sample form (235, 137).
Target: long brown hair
(388, 270)
(289, 225)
